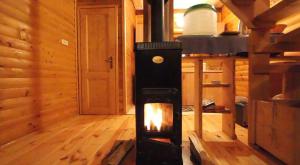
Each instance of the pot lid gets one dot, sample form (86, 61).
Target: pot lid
(200, 6)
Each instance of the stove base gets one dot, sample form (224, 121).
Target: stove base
(152, 152)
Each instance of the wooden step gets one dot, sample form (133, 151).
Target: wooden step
(291, 37)
(282, 67)
(244, 9)
(278, 67)
(278, 12)
(289, 41)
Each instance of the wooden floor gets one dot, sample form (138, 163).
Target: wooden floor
(87, 139)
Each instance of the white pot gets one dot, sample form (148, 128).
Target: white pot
(200, 20)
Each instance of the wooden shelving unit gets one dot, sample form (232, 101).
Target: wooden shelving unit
(223, 94)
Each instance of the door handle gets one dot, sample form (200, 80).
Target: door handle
(110, 61)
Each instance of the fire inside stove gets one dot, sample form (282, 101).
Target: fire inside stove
(158, 117)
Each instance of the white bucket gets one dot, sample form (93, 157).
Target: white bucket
(200, 20)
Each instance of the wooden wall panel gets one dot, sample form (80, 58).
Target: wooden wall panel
(97, 2)
(38, 79)
(121, 72)
(128, 45)
(138, 4)
(139, 26)
(241, 78)
(230, 21)
(188, 84)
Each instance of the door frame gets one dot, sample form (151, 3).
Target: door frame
(79, 86)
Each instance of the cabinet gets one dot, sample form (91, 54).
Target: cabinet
(277, 130)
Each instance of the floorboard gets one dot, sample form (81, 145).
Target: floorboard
(87, 139)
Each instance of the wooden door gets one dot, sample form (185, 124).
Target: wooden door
(97, 55)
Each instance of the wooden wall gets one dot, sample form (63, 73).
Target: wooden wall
(188, 84)
(121, 71)
(241, 78)
(38, 79)
(97, 2)
(230, 21)
(129, 39)
(139, 26)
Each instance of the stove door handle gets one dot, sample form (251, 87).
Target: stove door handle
(110, 61)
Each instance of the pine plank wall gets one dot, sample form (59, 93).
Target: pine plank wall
(38, 79)
(241, 78)
(129, 40)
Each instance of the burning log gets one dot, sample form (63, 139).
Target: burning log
(118, 152)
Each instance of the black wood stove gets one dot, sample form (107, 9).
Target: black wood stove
(158, 96)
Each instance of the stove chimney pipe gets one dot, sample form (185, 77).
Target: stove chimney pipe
(157, 20)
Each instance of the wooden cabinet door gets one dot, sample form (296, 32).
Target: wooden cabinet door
(284, 134)
(276, 130)
(97, 58)
(264, 125)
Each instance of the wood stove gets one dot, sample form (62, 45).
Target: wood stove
(158, 96)
(158, 103)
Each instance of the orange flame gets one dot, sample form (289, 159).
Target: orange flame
(153, 117)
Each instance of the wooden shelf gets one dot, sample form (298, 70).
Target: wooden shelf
(278, 12)
(287, 101)
(280, 58)
(216, 85)
(282, 43)
(278, 67)
(212, 71)
(292, 36)
(282, 67)
(216, 111)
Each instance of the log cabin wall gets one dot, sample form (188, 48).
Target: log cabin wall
(241, 78)
(128, 45)
(120, 75)
(38, 78)
(230, 21)
(139, 34)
